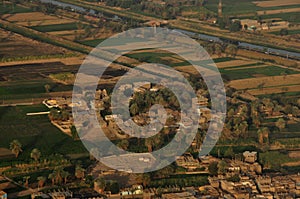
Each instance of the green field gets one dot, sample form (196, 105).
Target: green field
(291, 16)
(34, 132)
(251, 72)
(56, 27)
(92, 43)
(291, 32)
(30, 89)
(233, 7)
(10, 9)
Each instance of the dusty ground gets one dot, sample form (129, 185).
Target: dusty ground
(45, 22)
(268, 81)
(278, 89)
(234, 63)
(30, 16)
(273, 3)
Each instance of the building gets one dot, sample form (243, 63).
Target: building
(250, 157)
(3, 195)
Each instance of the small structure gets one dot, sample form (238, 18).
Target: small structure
(250, 157)
(220, 9)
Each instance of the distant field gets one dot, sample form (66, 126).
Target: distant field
(272, 3)
(267, 81)
(28, 81)
(291, 17)
(275, 90)
(29, 17)
(56, 27)
(232, 6)
(255, 72)
(291, 32)
(92, 43)
(10, 9)
(13, 45)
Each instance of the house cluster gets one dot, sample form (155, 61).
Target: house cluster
(67, 194)
(244, 180)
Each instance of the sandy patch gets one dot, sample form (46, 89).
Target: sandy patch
(268, 81)
(30, 16)
(234, 63)
(45, 22)
(273, 3)
(279, 89)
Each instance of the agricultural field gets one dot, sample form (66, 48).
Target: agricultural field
(8, 8)
(34, 132)
(14, 45)
(290, 32)
(28, 81)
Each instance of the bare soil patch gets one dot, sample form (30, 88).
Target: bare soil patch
(45, 22)
(234, 63)
(267, 81)
(30, 16)
(274, 3)
(279, 89)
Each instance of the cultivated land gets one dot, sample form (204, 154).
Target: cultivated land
(275, 3)
(32, 80)
(14, 45)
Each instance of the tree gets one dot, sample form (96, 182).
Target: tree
(16, 147)
(52, 178)
(79, 172)
(235, 26)
(47, 88)
(26, 178)
(231, 50)
(218, 49)
(229, 153)
(283, 32)
(100, 184)
(281, 123)
(263, 135)
(222, 167)
(35, 154)
(65, 176)
(144, 179)
(134, 109)
(74, 132)
(213, 168)
(41, 181)
(123, 144)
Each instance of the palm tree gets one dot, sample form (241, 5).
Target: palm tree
(231, 50)
(52, 178)
(100, 184)
(26, 178)
(41, 181)
(280, 124)
(123, 144)
(35, 154)
(65, 176)
(79, 172)
(16, 147)
(218, 49)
